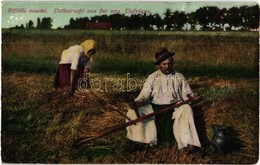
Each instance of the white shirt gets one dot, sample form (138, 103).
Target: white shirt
(71, 56)
(164, 89)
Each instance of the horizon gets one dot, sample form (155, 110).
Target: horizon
(17, 13)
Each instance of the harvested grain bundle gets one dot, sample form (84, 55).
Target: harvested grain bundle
(87, 112)
(82, 99)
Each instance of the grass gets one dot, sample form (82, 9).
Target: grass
(39, 124)
(207, 47)
(124, 64)
(29, 65)
(212, 54)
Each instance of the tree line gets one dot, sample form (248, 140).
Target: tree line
(204, 18)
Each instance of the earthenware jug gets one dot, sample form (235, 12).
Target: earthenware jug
(219, 142)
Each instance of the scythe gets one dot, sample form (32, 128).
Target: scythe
(85, 139)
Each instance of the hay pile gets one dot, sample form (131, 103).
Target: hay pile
(58, 120)
(93, 112)
(83, 114)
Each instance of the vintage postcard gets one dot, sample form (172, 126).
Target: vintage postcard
(130, 82)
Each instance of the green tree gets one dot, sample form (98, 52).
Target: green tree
(147, 22)
(167, 19)
(134, 22)
(45, 23)
(79, 23)
(158, 21)
(117, 21)
(250, 16)
(102, 18)
(18, 27)
(201, 16)
(178, 19)
(38, 23)
(30, 25)
(234, 17)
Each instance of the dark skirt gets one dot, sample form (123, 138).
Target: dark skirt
(62, 77)
(164, 124)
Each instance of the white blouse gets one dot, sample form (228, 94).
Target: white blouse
(71, 56)
(164, 89)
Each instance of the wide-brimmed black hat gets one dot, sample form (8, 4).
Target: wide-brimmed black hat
(162, 55)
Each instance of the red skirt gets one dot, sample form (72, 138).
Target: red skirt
(62, 77)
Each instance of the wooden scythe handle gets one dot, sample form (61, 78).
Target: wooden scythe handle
(118, 127)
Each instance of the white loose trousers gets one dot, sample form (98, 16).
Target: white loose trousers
(183, 128)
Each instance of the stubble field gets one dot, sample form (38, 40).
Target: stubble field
(40, 124)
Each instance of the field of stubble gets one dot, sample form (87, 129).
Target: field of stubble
(40, 124)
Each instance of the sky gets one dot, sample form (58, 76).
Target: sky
(21, 12)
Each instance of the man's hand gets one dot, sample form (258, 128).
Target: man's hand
(139, 103)
(134, 106)
(195, 99)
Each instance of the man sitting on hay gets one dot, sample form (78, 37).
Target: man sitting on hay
(164, 88)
